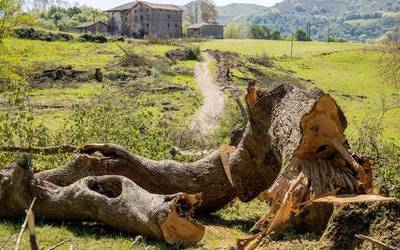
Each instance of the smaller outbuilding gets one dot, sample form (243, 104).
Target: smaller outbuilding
(207, 30)
(95, 27)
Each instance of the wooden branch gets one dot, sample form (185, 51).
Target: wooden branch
(31, 227)
(59, 244)
(242, 109)
(346, 155)
(19, 239)
(376, 242)
(41, 150)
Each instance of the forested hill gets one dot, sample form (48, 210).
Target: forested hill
(337, 7)
(355, 20)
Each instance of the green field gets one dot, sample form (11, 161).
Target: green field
(347, 71)
(278, 48)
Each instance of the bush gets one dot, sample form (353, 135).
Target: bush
(262, 59)
(187, 53)
(384, 154)
(96, 38)
(192, 53)
(43, 35)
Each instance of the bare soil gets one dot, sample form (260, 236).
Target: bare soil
(210, 113)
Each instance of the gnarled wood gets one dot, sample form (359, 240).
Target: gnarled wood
(206, 176)
(113, 200)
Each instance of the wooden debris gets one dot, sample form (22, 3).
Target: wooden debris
(21, 232)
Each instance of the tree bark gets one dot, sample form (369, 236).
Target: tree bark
(304, 134)
(206, 176)
(113, 200)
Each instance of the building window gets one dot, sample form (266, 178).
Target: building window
(148, 25)
(141, 18)
(168, 16)
(168, 25)
(176, 25)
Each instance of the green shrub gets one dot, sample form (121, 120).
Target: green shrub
(95, 38)
(384, 154)
(262, 59)
(187, 53)
(35, 34)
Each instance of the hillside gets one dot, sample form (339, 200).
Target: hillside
(335, 7)
(355, 20)
(232, 12)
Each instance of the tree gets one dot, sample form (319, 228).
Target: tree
(233, 31)
(301, 35)
(208, 11)
(259, 32)
(276, 35)
(294, 168)
(191, 12)
(8, 16)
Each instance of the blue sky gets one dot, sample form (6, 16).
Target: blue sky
(106, 4)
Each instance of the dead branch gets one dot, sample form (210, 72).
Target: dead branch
(41, 150)
(21, 232)
(376, 242)
(59, 244)
(32, 233)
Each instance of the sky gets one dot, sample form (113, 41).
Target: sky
(107, 4)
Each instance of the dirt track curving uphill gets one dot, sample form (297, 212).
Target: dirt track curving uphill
(210, 113)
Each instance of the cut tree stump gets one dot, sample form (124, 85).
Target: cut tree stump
(113, 200)
(340, 219)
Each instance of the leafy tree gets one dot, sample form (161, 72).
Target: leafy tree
(208, 10)
(259, 32)
(234, 31)
(61, 18)
(276, 35)
(8, 16)
(301, 35)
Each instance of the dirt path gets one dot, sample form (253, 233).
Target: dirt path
(210, 113)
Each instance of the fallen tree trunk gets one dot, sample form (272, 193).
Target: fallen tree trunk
(206, 176)
(113, 200)
(293, 148)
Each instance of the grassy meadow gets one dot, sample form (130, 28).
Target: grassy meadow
(347, 71)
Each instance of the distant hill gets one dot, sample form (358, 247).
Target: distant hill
(356, 20)
(336, 7)
(233, 12)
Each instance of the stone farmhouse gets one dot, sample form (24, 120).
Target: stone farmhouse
(93, 27)
(139, 19)
(207, 30)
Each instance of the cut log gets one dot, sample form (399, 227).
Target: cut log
(113, 200)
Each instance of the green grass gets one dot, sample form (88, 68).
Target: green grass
(277, 48)
(28, 54)
(347, 76)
